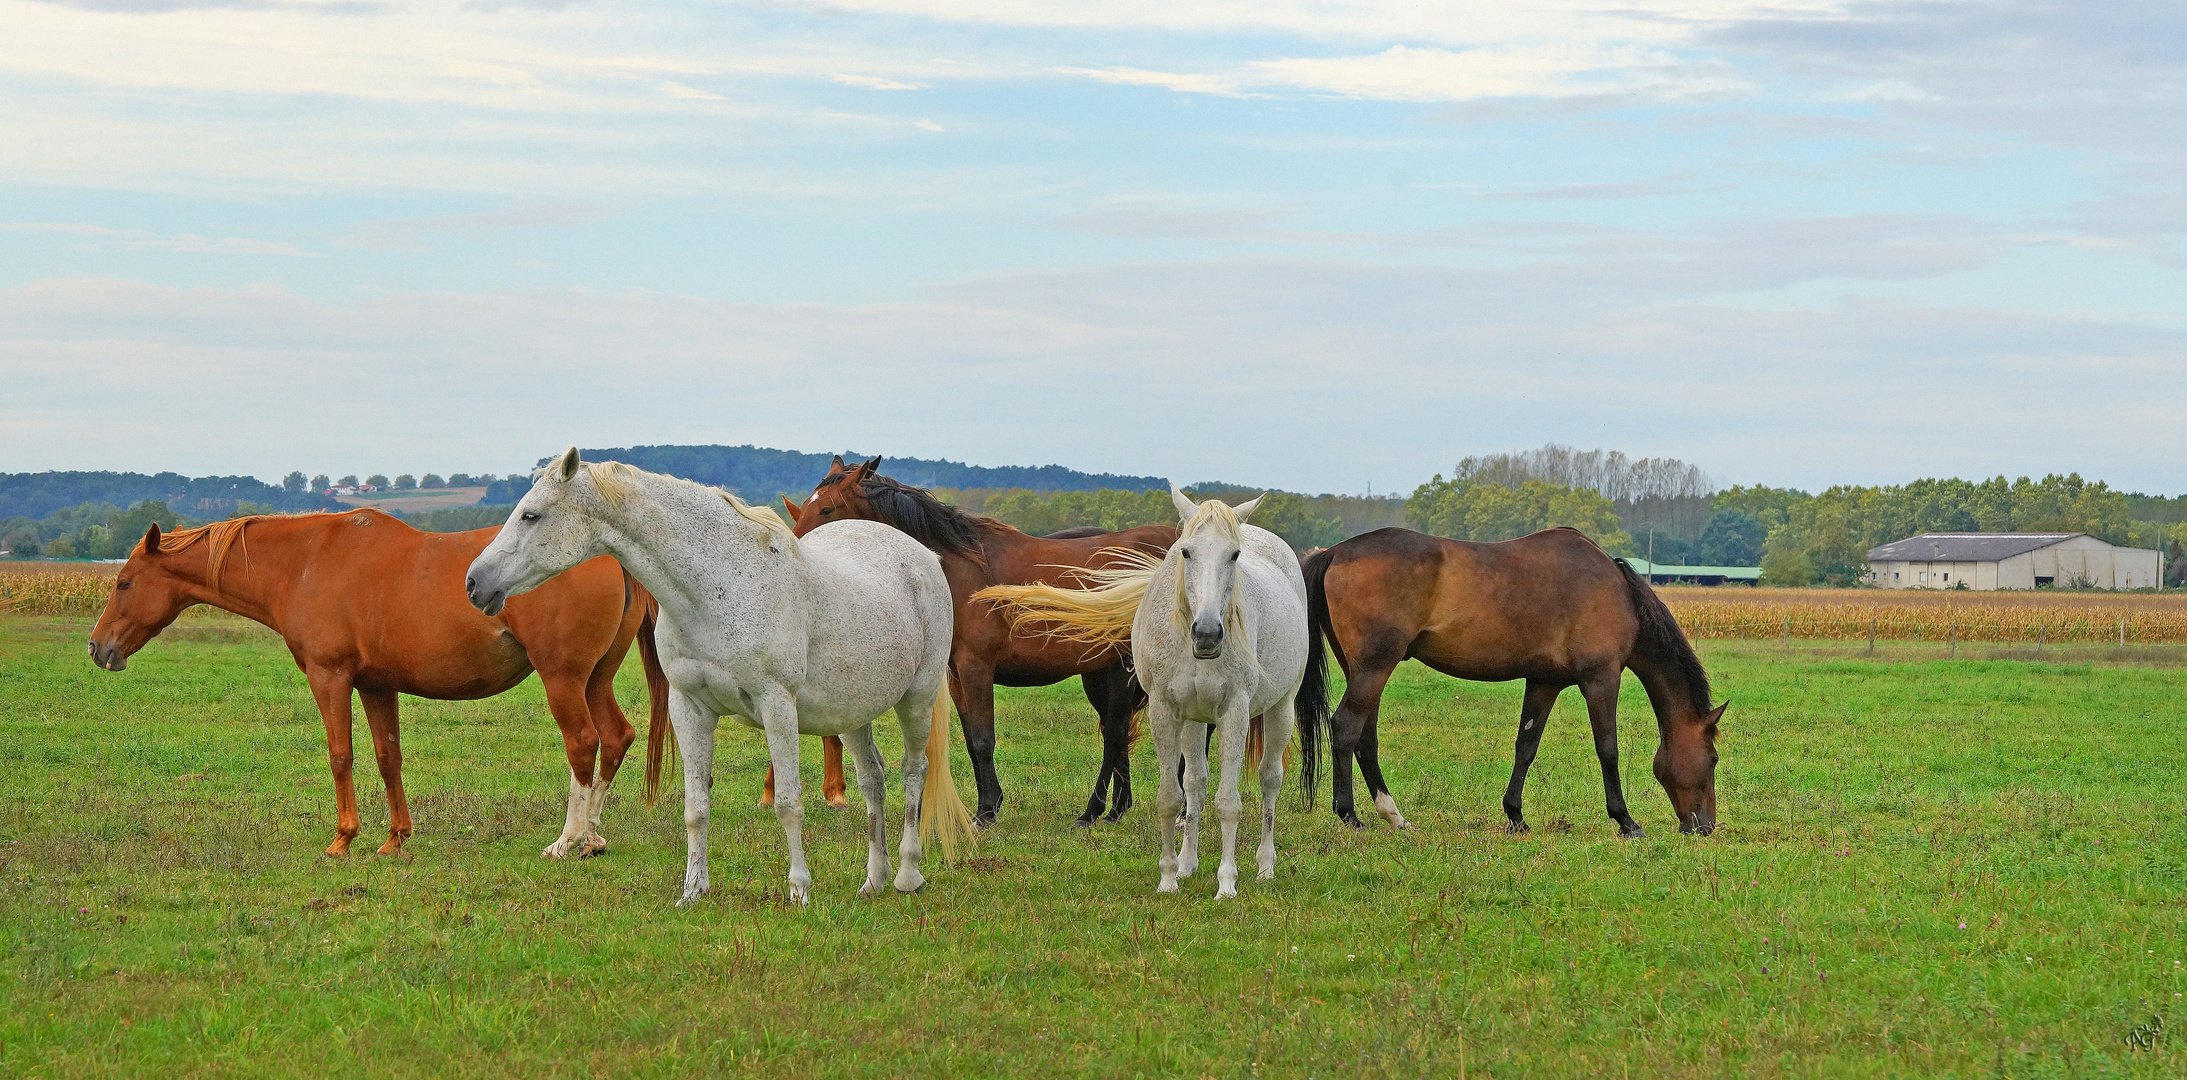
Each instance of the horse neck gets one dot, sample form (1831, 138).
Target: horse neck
(1670, 689)
(669, 537)
(257, 569)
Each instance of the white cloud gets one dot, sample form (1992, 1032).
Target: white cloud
(679, 90)
(100, 237)
(874, 82)
(1320, 375)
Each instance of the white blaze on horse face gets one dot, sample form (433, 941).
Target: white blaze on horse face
(547, 533)
(1208, 573)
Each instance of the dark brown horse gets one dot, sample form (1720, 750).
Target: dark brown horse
(369, 604)
(1550, 608)
(977, 552)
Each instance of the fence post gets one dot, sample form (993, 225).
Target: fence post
(1953, 650)
(2041, 632)
(1787, 645)
(2122, 632)
(1871, 637)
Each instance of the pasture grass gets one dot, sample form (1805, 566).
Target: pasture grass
(1963, 868)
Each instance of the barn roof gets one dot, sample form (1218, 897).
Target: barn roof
(1964, 547)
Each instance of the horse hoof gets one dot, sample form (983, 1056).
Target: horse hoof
(1634, 833)
(690, 897)
(338, 849)
(1517, 828)
(1166, 887)
(1353, 821)
(595, 846)
(915, 884)
(1085, 820)
(392, 847)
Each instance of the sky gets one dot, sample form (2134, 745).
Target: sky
(1318, 245)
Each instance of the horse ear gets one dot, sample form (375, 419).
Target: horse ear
(866, 469)
(836, 465)
(151, 539)
(794, 509)
(1185, 506)
(1245, 509)
(568, 465)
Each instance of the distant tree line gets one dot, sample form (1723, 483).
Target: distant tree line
(755, 473)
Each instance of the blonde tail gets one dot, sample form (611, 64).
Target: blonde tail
(1101, 616)
(942, 812)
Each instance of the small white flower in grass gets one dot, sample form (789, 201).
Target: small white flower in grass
(1349, 956)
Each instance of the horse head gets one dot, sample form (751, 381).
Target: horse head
(554, 527)
(147, 597)
(840, 496)
(1207, 552)
(1685, 764)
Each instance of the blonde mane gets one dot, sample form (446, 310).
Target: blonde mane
(616, 480)
(220, 535)
(1218, 515)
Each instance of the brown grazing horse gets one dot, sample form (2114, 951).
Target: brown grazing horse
(367, 603)
(1550, 608)
(977, 552)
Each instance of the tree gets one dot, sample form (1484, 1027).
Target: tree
(406, 482)
(461, 479)
(1290, 517)
(129, 525)
(432, 480)
(1733, 538)
(22, 542)
(378, 480)
(1486, 510)
(294, 483)
(349, 481)
(320, 483)
(60, 547)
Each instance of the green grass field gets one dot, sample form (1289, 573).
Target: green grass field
(1971, 868)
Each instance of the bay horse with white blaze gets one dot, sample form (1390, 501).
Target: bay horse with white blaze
(979, 552)
(368, 604)
(1552, 609)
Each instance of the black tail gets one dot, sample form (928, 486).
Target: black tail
(1661, 641)
(1313, 699)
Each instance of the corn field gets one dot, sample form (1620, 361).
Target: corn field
(42, 588)
(1941, 617)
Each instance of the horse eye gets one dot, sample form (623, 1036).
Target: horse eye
(530, 515)
(120, 585)
(826, 510)
(1186, 554)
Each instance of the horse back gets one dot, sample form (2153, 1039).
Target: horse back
(1551, 605)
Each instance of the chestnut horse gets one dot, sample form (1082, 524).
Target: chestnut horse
(986, 651)
(1550, 608)
(369, 604)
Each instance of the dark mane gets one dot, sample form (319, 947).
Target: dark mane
(915, 511)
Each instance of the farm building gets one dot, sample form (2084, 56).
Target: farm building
(1667, 574)
(2011, 561)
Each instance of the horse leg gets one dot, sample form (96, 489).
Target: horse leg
(1276, 725)
(973, 687)
(580, 745)
(1355, 716)
(832, 790)
(1168, 798)
(1370, 769)
(866, 762)
(1195, 792)
(330, 689)
(1207, 744)
(380, 716)
(916, 720)
(1102, 693)
(1601, 695)
(1229, 804)
(694, 726)
(778, 718)
(1533, 720)
(615, 735)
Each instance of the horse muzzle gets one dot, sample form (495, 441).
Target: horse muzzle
(1207, 641)
(108, 657)
(489, 601)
